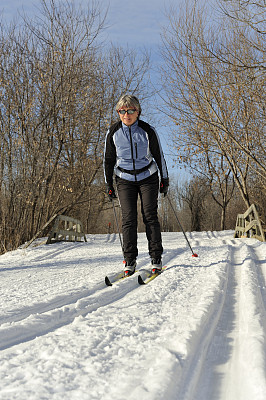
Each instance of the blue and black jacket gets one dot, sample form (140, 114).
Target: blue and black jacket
(133, 152)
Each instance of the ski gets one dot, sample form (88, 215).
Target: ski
(109, 281)
(147, 276)
(144, 277)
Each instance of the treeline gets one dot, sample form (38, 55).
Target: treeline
(214, 80)
(59, 84)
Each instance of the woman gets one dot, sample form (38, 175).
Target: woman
(133, 153)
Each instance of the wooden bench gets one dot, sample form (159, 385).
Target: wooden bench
(66, 229)
(249, 225)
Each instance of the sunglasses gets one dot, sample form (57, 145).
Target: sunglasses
(130, 111)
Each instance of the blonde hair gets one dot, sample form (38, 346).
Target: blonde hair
(128, 100)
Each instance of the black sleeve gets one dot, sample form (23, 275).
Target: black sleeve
(155, 148)
(109, 155)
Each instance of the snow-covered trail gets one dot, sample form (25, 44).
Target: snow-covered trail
(233, 365)
(197, 332)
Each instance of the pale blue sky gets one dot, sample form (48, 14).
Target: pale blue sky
(137, 22)
(134, 22)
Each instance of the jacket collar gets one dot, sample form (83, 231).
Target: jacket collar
(131, 126)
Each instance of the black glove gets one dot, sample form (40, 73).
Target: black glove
(164, 186)
(111, 192)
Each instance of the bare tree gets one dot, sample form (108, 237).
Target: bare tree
(216, 106)
(58, 88)
(250, 13)
(193, 195)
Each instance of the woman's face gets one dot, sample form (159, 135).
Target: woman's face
(128, 115)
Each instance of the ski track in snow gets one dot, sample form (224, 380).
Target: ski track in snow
(197, 332)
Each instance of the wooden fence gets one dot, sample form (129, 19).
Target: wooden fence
(249, 225)
(66, 229)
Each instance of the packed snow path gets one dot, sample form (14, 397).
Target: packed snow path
(197, 332)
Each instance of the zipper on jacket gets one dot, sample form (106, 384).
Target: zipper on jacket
(136, 150)
(132, 153)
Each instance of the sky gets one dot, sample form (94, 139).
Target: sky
(134, 23)
(137, 24)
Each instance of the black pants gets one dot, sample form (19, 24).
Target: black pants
(128, 193)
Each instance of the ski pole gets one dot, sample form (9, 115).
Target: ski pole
(117, 226)
(193, 254)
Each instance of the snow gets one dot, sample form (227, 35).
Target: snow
(197, 332)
